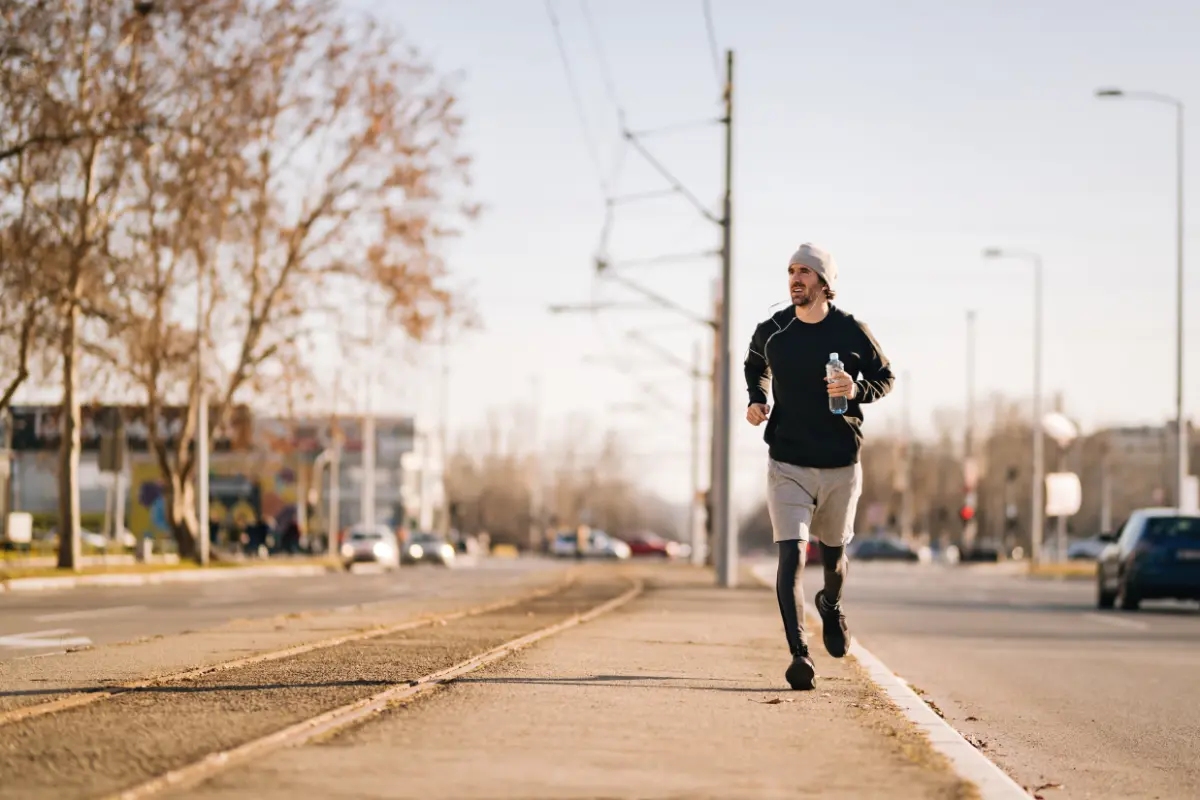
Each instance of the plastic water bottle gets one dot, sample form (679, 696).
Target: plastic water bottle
(838, 405)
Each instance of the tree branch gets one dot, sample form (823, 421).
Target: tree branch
(41, 139)
(22, 358)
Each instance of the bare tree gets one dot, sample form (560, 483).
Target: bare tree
(274, 154)
(76, 64)
(308, 163)
(26, 310)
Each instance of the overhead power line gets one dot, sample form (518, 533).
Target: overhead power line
(605, 71)
(577, 99)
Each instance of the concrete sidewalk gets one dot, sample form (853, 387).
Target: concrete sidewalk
(678, 694)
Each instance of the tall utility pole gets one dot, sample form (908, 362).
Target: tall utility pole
(1038, 502)
(723, 530)
(201, 427)
(712, 539)
(367, 497)
(695, 529)
(970, 473)
(337, 435)
(367, 491)
(725, 527)
(699, 377)
(537, 495)
(444, 430)
(906, 504)
(1181, 437)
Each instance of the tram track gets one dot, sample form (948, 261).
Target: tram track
(158, 736)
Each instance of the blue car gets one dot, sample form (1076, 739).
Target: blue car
(1154, 555)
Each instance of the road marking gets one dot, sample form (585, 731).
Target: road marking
(1120, 622)
(993, 783)
(95, 613)
(339, 718)
(36, 639)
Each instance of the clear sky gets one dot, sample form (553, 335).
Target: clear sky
(903, 137)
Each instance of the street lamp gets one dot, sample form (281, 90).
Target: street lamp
(1039, 465)
(1181, 456)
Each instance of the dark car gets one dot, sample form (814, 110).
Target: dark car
(882, 549)
(982, 552)
(427, 548)
(1155, 555)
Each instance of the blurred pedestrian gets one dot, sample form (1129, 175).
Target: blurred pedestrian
(814, 477)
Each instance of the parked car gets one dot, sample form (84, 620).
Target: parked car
(598, 545)
(986, 552)
(376, 544)
(427, 548)
(1088, 549)
(653, 545)
(1155, 555)
(883, 548)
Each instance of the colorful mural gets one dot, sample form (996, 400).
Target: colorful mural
(241, 488)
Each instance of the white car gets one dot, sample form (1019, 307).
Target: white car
(370, 545)
(599, 545)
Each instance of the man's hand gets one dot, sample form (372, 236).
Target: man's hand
(841, 385)
(757, 413)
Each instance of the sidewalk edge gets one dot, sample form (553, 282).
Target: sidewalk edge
(155, 578)
(970, 764)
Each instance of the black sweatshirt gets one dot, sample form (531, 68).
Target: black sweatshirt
(790, 356)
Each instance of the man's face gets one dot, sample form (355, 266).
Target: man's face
(805, 285)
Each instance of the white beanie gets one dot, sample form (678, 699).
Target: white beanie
(819, 261)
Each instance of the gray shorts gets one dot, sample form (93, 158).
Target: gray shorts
(806, 501)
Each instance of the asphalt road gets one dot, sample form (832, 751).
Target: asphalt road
(36, 623)
(1102, 703)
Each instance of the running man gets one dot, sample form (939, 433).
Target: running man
(814, 477)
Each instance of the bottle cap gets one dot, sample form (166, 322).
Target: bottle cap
(833, 356)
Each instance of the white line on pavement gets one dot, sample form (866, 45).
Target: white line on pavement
(1119, 622)
(95, 613)
(993, 783)
(36, 639)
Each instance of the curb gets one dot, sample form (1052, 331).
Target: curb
(155, 578)
(968, 763)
